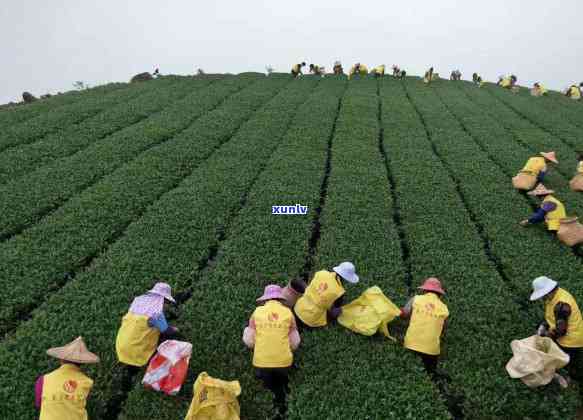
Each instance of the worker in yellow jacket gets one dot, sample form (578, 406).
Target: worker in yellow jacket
(551, 210)
(322, 299)
(316, 70)
(563, 321)
(62, 394)
(378, 71)
(297, 69)
(574, 92)
(427, 316)
(428, 78)
(144, 326)
(537, 165)
(358, 69)
(273, 336)
(538, 90)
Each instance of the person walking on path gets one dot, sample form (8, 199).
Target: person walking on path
(427, 315)
(322, 299)
(62, 393)
(273, 336)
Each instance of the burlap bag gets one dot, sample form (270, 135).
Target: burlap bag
(576, 183)
(524, 181)
(535, 360)
(290, 295)
(570, 231)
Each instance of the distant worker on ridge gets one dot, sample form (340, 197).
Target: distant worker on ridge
(378, 71)
(428, 78)
(538, 90)
(574, 92)
(297, 69)
(338, 68)
(358, 69)
(315, 69)
(455, 75)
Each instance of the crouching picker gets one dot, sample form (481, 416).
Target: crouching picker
(534, 171)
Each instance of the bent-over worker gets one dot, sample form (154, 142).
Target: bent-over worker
(427, 316)
(455, 75)
(62, 393)
(563, 320)
(551, 210)
(315, 69)
(144, 326)
(574, 93)
(297, 69)
(538, 90)
(428, 76)
(537, 165)
(358, 69)
(378, 71)
(322, 299)
(338, 68)
(273, 336)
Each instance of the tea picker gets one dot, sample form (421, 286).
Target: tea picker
(273, 336)
(358, 70)
(322, 299)
(62, 394)
(297, 69)
(534, 171)
(338, 68)
(551, 210)
(427, 316)
(317, 70)
(538, 90)
(563, 321)
(144, 326)
(574, 92)
(378, 71)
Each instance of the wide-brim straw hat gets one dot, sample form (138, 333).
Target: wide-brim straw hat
(164, 290)
(432, 284)
(540, 190)
(272, 291)
(552, 156)
(76, 352)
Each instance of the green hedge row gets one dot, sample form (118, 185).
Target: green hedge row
(345, 375)
(18, 114)
(142, 101)
(169, 242)
(57, 244)
(61, 117)
(29, 198)
(430, 160)
(259, 248)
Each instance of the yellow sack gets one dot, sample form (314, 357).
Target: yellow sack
(214, 399)
(370, 313)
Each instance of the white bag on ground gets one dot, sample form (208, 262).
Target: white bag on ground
(535, 360)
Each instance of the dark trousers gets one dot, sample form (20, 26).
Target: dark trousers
(277, 381)
(429, 362)
(575, 366)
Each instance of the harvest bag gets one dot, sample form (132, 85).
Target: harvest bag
(570, 231)
(290, 295)
(168, 368)
(576, 183)
(524, 181)
(535, 360)
(370, 313)
(214, 399)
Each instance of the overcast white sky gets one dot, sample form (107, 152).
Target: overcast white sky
(46, 45)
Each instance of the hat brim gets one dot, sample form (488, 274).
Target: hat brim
(85, 358)
(538, 294)
(353, 279)
(270, 297)
(432, 289)
(547, 157)
(167, 297)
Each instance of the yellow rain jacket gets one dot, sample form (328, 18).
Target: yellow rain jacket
(370, 313)
(506, 82)
(535, 165)
(574, 336)
(65, 393)
(363, 71)
(318, 298)
(552, 218)
(273, 322)
(296, 68)
(136, 341)
(214, 399)
(426, 325)
(575, 92)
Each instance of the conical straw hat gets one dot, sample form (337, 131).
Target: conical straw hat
(540, 190)
(550, 156)
(76, 352)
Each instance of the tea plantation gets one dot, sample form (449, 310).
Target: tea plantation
(104, 190)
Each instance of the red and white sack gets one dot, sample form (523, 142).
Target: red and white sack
(168, 368)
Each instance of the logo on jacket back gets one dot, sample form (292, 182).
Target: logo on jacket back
(70, 386)
(322, 287)
(273, 317)
(429, 307)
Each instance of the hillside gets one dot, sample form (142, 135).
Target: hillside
(104, 190)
